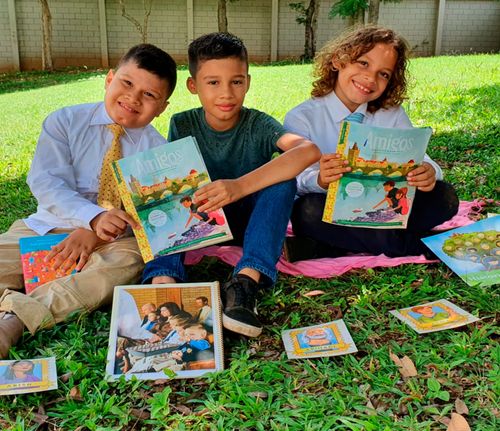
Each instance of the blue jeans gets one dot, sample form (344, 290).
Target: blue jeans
(258, 222)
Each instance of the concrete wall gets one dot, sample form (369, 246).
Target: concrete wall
(79, 38)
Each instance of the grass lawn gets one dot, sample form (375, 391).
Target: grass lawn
(459, 97)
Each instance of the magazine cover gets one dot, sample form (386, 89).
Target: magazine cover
(375, 194)
(326, 339)
(165, 331)
(434, 316)
(156, 187)
(472, 251)
(36, 271)
(27, 375)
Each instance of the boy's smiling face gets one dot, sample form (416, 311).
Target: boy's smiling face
(366, 78)
(221, 86)
(134, 96)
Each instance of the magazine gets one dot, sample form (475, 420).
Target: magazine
(165, 331)
(27, 375)
(157, 187)
(326, 339)
(434, 316)
(375, 194)
(472, 251)
(36, 271)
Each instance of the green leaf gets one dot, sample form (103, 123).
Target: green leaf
(433, 384)
(443, 395)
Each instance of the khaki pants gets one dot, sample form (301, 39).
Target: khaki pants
(110, 265)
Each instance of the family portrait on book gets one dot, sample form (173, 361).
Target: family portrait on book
(160, 331)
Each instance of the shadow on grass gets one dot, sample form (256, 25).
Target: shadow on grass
(16, 201)
(22, 81)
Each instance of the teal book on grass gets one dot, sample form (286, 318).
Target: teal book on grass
(375, 193)
(472, 252)
(157, 187)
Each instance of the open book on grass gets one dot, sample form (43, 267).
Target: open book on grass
(375, 193)
(157, 187)
(165, 331)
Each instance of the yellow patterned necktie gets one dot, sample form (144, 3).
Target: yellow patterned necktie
(108, 196)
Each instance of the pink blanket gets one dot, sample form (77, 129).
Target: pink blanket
(329, 267)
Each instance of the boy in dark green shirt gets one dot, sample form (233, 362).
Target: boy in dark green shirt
(256, 192)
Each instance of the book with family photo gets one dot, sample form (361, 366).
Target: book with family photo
(375, 193)
(27, 375)
(472, 251)
(434, 316)
(157, 187)
(36, 271)
(326, 339)
(165, 331)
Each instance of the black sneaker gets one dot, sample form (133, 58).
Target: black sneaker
(239, 300)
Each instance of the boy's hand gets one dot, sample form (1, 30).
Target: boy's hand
(422, 177)
(110, 224)
(75, 248)
(331, 168)
(217, 195)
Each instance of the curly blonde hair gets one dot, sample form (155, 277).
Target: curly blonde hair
(351, 45)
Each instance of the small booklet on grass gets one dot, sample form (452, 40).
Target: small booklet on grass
(434, 316)
(27, 375)
(165, 331)
(326, 339)
(472, 251)
(34, 250)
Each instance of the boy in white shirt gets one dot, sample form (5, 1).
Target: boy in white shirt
(64, 178)
(361, 73)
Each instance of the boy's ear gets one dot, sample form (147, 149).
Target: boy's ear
(191, 85)
(248, 82)
(109, 78)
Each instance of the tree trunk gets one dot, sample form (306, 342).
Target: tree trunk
(358, 18)
(142, 29)
(311, 25)
(47, 63)
(373, 10)
(222, 15)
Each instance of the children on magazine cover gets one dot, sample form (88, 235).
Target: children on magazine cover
(363, 72)
(65, 179)
(256, 192)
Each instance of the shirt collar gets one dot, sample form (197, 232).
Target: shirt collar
(102, 118)
(338, 110)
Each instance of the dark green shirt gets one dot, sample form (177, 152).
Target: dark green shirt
(235, 152)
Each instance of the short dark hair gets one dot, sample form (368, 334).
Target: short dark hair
(155, 60)
(215, 46)
(389, 183)
(203, 299)
(186, 199)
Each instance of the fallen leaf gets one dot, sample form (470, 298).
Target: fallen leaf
(314, 293)
(460, 407)
(183, 409)
(458, 423)
(405, 365)
(140, 414)
(159, 382)
(258, 394)
(39, 419)
(65, 377)
(202, 412)
(441, 419)
(74, 393)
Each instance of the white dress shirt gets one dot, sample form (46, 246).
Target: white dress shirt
(319, 120)
(64, 174)
(129, 320)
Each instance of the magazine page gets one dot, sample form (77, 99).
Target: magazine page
(27, 376)
(472, 251)
(165, 331)
(375, 194)
(326, 339)
(157, 188)
(34, 250)
(434, 316)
